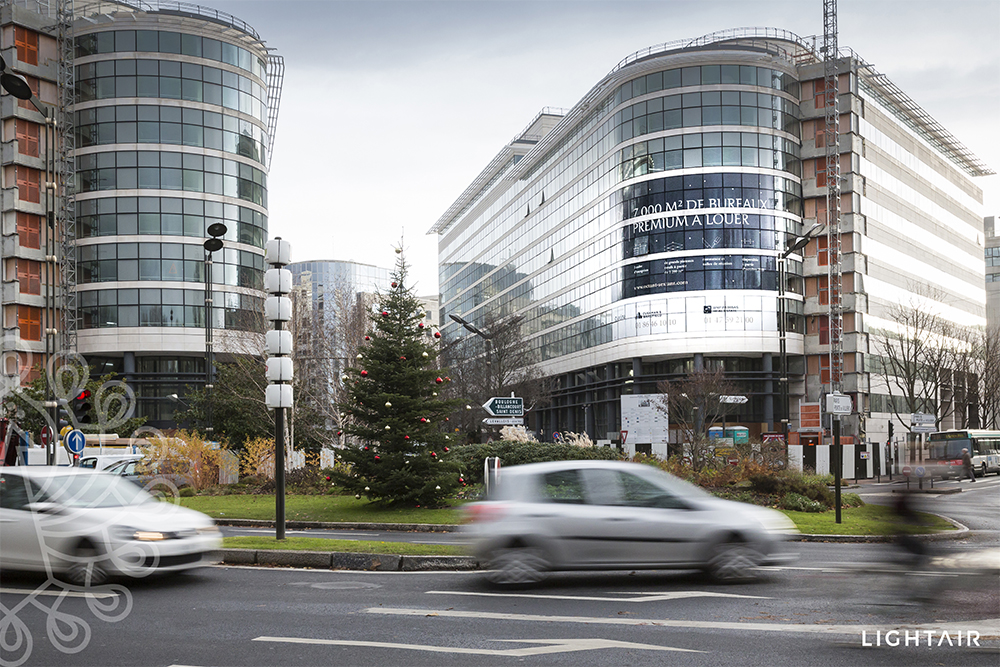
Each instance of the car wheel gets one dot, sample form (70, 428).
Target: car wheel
(85, 568)
(733, 562)
(517, 566)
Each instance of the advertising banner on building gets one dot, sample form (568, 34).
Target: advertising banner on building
(644, 418)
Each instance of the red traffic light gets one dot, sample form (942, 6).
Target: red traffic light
(83, 394)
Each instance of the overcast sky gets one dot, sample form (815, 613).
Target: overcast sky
(390, 109)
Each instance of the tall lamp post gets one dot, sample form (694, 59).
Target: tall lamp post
(489, 346)
(212, 245)
(278, 395)
(796, 243)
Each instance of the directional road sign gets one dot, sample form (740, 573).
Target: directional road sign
(839, 404)
(922, 418)
(504, 421)
(738, 400)
(504, 406)
(923, 428)
(75, 441)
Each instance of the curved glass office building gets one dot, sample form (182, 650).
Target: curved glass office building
(640, 233)
(172, 136)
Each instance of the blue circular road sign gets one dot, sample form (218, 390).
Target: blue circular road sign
(921, 471)
(76, 441)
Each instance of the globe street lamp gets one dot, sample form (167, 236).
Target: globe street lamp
(212, 245)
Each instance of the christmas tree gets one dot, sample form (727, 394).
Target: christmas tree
(398, 452)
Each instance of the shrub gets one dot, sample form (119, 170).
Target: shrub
(187, 492)
(185, 459)
(851, 500)
(257, 458)
(788, 481)
(799, 503)
(471, 457)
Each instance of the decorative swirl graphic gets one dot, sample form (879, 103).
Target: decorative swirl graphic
(67, 377)
(115, 402)
(15, 638)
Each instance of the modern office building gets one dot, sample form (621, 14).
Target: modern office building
(992, 272)
(641, 234)
(169, 112)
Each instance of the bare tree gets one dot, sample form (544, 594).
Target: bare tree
(693, 405)
(500, 364)
(926, 360)
(989, 377)
(328, 328)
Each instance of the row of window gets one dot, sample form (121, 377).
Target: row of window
(709, 272)
(212, 88)
(704, 116)
(695, 236)
(688, 194)
(94, 265)
(157, 41)
(166, 170)
(167, 308)
(711, 149)
(168, 216)
(129, 124)
(707, 75)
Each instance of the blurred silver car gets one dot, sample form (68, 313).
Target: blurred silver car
(84, 525)
(576, 515)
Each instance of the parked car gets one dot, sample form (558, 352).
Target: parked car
(156, 481)
(577, 515)
(105, 461)
(84, 526)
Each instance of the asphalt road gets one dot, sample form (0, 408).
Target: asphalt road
(812, 613)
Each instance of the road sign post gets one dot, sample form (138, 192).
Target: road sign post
(504, 406)
(74, 442)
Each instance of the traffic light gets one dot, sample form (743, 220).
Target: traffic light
(81, 407)
(890, 430)
(63, 417)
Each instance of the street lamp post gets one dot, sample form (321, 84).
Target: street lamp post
(796, 243)
(212, 244)
(489, 347)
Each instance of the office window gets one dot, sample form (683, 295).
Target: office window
(29, 230)
(29, 184)
(29, 319)
(27, 137)
(26, 42)
(29, 275)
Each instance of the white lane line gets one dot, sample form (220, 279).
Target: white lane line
(68, 594)
(643, 597)
(545, 646)
(986, 627)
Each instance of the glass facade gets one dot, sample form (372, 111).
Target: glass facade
(644, 226)
(171, 137)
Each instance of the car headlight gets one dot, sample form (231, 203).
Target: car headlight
(149, 536)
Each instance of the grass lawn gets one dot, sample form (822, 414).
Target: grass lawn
(866, 520)
(316, 508)
(320, 544)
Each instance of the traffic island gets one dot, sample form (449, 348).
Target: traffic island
(323, 560)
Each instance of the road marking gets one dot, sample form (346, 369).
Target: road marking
(545, 646)
(643, 597)
(68, 594)
(986, 627)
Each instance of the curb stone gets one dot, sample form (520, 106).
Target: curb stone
(339, 560)
(341, 525)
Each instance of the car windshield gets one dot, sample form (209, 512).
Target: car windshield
(92, 491)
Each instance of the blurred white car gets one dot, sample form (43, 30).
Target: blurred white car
(84, 526)
(105, 461)
(577, 515)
